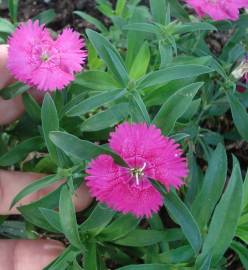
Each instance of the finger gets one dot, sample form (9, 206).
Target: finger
(5, 76)
(10, 110)
(28, 254)
(11, 183)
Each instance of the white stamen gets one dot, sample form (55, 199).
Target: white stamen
(137, 179)
(137, 173)
(143, 167)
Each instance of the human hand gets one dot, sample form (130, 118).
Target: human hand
(25, 254)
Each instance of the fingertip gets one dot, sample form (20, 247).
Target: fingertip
(28, 254)
(82, 198)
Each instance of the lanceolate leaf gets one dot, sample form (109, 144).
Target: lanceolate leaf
(98, 24)
(97, 80)
(175, 106)
(182, 216)
(141, 238)
(14, 89)
(90, 257)
(93, 102)
(6, 26)
(240, 116)
(119, 227)
(106, 119)
(140, 63)
(212, 187)
(80, 149)
(50, 122)
(35, 186)
(146, 267)
(98, 220)
(158, 9)
(225, 219)
(168, 74)
(68, 218)
(21, 150)
(110, 56)
(241, 251)
(138, 110)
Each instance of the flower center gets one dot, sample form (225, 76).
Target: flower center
(44, 57)
(212, 1)
(138, 173)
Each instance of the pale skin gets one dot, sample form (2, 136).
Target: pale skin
(25, 254)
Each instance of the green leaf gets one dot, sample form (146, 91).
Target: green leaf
(32, 107)
(177, 255)
(79, 149)
(21, 150)
(143, 27)
(98, 24)
(6, 26)
(245, 197)
(166, 54)
(97, 80)
(64, 260)
(239, 114)
(94, 102)
(30, 213)
(106, 119)
(225, 219)
(138, 109)
(105, 7)
(175, 107)
(212, 187)
(141, 238)
(98, 220)
(140, 63)
(13, 9)
(50, 122)
(135, 39)
(90, 256)
(205, 264)
(76, 266)
(120, 227)
(158, 9)
(35, 186)
(241, 251)
(242, 234)
(178, 11)
(182, 216)
(52, 218)
(120, 6)
(46, 17)
(110, 56)
(192, 27)
(13, 90)
(168, 74)
(145, 267)
(68, 218)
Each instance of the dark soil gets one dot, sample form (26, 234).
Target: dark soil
(63, 9)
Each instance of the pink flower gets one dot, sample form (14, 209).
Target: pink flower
(218, 9)
(38, 60)
(148, 154)
(241, 74)
(240, 87)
